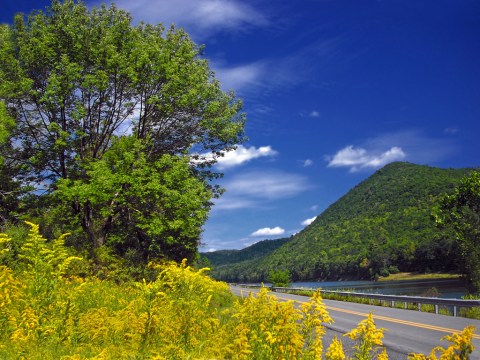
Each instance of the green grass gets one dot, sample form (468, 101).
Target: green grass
(416, 276)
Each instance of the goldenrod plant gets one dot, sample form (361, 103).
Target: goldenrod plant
(460, 349)
(38, 257)
(335, 350)
(315, 315)
(4, 244)
(264, 328)
(369, 340)
(49, 312)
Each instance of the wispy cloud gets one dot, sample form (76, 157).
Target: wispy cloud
(307, 163)
(308, 221)
(268, 185)
(289, 70)
(314, 114)
(205, 18)
(242, 155)
(240, 77)
(268, 231)
(451, 130)
(249, 78)
(233, 202)
(200, 17)
(258, 188)
(359, 158)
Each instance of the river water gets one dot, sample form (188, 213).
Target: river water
(445, 288)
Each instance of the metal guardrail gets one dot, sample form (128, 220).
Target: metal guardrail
(420, 300)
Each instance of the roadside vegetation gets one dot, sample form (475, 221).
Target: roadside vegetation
(51, 311)
(467, 312)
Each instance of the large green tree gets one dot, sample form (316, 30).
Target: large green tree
(10, 188)
(155, 207)
(461, 213)
(106, 112)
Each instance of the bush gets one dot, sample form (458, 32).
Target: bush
(279, 278)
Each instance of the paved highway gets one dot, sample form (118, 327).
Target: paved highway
(406, 331)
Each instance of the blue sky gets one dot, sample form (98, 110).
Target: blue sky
(333, 90)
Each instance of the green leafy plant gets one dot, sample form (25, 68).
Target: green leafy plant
(279, 278)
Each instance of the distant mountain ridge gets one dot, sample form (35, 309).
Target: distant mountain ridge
(380, 226)
(252, 252)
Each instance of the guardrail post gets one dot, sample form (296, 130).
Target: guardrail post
(419, 307)
(436, 309)
(454, 310)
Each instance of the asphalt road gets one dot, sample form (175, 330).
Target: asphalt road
(406, 331)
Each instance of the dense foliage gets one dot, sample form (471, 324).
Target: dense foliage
(257, 250)
(114, 127)
(279, 278)
(382, 225)
(460, 211)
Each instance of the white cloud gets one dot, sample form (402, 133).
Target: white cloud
(308, 221)
(407, 145)
(200, 17)
(359, 158)
(420, 148)
(314, 114)
(269, 231)
(224, 13)
(235, 157)
(243, 154)
(307, 163)
(257, 188)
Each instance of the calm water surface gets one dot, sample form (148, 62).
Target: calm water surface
(447, 288)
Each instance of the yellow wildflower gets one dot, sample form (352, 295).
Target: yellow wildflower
(368, 337)
(335, 350)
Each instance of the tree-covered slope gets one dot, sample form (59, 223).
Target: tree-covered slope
(257, 250)
(382, 225)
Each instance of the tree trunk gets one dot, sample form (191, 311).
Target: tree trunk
(95, 236)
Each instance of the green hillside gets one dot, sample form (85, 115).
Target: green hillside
(382, 225)
(257, 250)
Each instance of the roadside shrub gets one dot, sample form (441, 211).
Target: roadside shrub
(460, 349)
(279, 278)
(368, 340)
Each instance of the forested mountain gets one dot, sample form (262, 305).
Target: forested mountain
(382, 225)
(257, 250)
